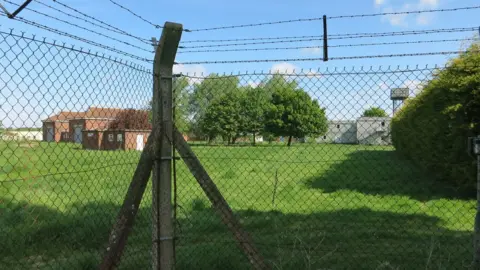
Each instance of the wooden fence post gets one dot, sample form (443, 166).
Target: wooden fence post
(162, 229)
(219, 203)
(126, 216)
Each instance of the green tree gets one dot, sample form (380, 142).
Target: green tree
(253, 103)
(375, 112)
(204, 93)
(432, 128)
(2, 129)
(222, 117)
(291, 111)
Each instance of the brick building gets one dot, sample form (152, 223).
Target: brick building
(56, 127)
(67, 126)
(126, 139)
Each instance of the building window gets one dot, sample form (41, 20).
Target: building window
(324, 137)
(338, 126)
(119, 138)
(110, 137)
(90, 134)
(383, 124)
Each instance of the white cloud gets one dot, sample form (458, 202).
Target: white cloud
(285, 68)
(424, 19)
(396, 19)
(415, 86)
(312, 50)
(379, 2)
(404, 19)
(193, 70)
(428, 3)
(253, 84)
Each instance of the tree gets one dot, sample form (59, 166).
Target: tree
(375, 112)
(213, 87)
(131, 119)
(222, 117)
(253, 103)
(2, 129)
(291, 111)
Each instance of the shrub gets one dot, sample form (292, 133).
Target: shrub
(432, 128)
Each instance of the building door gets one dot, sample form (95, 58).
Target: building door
(77, 134)
(139, 142)
(50, 134)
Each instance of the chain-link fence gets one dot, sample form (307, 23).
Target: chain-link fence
(325, 169)
(60, 192)
(332, 169)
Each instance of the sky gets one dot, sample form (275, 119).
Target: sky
(211, 13)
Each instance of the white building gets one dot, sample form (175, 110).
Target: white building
(340, 132)
(366, 130)
(13, 135)
(374, 130)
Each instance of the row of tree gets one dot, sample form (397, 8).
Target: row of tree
(220, 107)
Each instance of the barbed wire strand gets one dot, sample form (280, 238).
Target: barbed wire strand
(314, 59)
(330, 46)
(343, 36)
(84, 28)
(136, 15)
(121, 32)
(334, 17)
(72, 48)
(90, 17)
(90, 42)
(404, 12)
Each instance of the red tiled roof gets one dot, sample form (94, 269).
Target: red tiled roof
(65, 115)
(96, 112)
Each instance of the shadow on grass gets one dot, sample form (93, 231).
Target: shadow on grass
(38, 237)
(384, 173)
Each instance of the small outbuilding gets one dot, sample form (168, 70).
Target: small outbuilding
(374, 130)
(126, 139)
(344, 132)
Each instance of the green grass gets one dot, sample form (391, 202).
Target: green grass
(306, 207)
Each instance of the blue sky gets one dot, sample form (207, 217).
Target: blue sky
(195, 14)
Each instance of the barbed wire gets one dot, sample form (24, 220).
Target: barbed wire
(90, 42)
(403, 33)
(135, 14)
(253, 49)
(84, 28)
(334, 17)
(146, 41)
(313, 59)
(249, 43)
(92, 18)
(72, 48)
(404, 12)
(330, 46)
(342, 36)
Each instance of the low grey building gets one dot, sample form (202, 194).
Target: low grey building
(373, 130)
(340, 132)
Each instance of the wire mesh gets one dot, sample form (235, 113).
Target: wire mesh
(340, 197)
(60, 189)
(305, 159)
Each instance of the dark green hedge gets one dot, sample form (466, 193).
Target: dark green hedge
(432, 128)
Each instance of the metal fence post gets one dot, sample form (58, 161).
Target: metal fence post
(475, 143)
(162, 229)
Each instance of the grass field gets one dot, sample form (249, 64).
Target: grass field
(307, 207)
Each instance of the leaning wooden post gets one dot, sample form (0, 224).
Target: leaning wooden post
(162, 229)
(126, 216)
(219, 203)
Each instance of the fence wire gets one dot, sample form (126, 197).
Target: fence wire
(59, 194)
(321, 167)
(342, 196)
